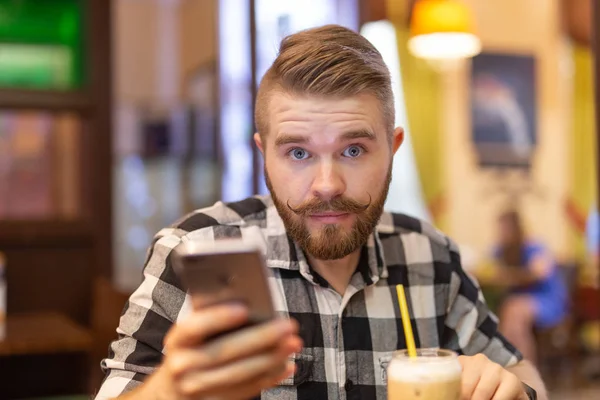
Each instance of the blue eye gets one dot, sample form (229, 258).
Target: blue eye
(298, 154)
(353, 151)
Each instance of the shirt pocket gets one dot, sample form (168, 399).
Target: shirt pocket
(304, 363)
(286, 389)
(384, 362)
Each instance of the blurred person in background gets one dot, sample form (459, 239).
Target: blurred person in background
(589, 296)
(325, 120)
(592, 234)
(537, 296)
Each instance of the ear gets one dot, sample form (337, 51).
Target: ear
(397, 139)
(259, 143)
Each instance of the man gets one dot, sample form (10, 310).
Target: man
(324, 114)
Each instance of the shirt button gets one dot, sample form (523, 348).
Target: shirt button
(348, 385)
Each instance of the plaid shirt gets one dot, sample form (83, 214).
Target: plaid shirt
(348, 339)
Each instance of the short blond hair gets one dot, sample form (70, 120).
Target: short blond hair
(329, 61)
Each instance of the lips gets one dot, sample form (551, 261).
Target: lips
(328, 214)
(329, 217)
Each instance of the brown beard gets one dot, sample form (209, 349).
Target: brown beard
(331, 242)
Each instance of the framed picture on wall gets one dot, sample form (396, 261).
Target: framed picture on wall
(503, 109)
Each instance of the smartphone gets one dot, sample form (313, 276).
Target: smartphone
(228, 270)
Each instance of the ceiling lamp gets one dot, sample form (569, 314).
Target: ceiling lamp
(442, 30)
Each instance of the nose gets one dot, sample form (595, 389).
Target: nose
(328, 182)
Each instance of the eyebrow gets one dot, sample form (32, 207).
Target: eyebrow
(358, 134)
(285, 139)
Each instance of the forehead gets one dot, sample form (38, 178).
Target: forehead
(318, 112)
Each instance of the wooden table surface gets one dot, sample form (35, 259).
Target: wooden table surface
(43, 333)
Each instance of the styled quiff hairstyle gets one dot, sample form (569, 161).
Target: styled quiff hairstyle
(328, 61)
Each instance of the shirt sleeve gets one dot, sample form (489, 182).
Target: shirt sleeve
(148, 315)
(470, 326)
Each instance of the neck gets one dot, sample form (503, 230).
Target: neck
(337, 272)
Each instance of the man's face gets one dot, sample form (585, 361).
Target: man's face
(328, 168)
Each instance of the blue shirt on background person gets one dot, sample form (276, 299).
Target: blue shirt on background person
(550, 293)
(592, 232)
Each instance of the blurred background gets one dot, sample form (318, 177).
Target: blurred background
(118, 117)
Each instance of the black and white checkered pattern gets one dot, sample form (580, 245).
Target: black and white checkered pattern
(348, 340)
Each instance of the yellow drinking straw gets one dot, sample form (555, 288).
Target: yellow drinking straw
(408, 333)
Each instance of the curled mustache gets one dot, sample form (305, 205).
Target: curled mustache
(338, 204)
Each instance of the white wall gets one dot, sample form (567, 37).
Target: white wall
(474, 197)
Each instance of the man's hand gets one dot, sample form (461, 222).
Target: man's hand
(483, 379)
(233, 366)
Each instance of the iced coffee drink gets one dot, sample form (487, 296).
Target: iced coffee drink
(433, 375)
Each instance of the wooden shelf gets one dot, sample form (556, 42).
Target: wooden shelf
(43, 333)
(44, 233)
(44, 100)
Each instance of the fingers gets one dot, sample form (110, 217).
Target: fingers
(206, 323)
(193, 361)
(470, 375)
(237, 365)
(491, 377)
(254, 388)
(239, 374)
(483, 379)
(510, 388)
(248, 342)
